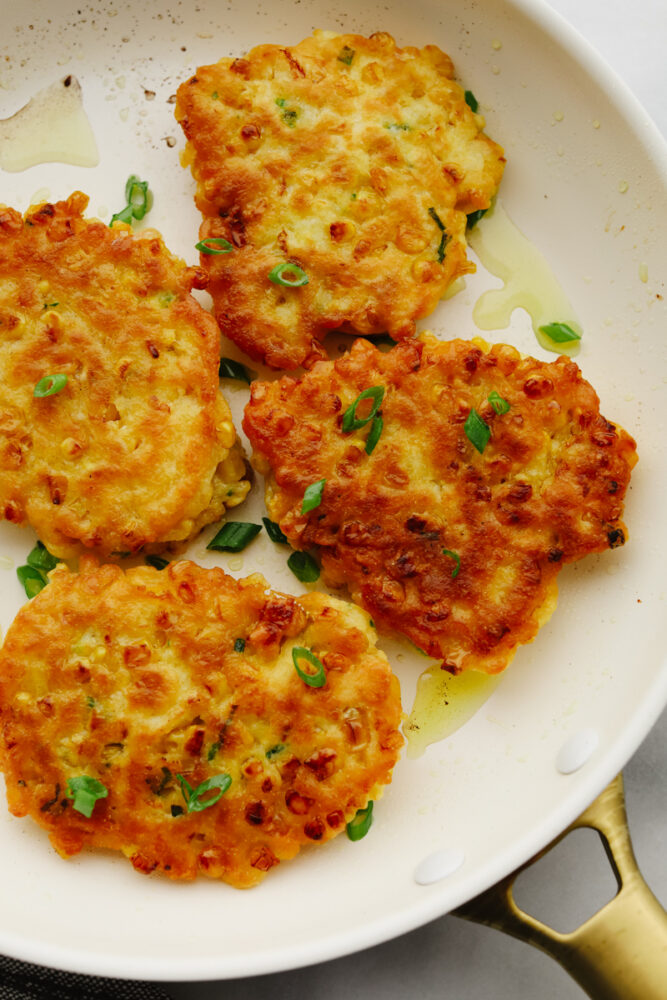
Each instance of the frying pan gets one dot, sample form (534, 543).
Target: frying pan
(585, 183)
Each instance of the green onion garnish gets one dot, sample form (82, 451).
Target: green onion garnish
(192, 796)
(239, 645)
(442, 247)
(136, 195)
(274, 751)
(85, 791)
(471, 100)
(213, 750)
(31, 580)
(289, 116)
(214, 245)
(375, 432)
(474, 217)
(457, 559)
(314, 680)
(49, 385)
(358, 827)
(274, 532)
(281, 102)
(397, 126)
(157, 562)
(499, 404)
(234, 369)
(436, 218)
(288, 275)
(234, 536)
(350, 420)
(477, 430)
(125, 215)
(41, 558)
(304, 567)
(312, 497)
(346, 55)
(560, 333)
(50, 305)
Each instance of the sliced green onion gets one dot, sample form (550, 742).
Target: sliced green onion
(358, 827)
(137, 195)
(90, 701)
(314, 680)
(193, 797)
(457, 559)
(157, 562)
(289, 116)
(234, 536)
(442, 247)
(49, 385)
(436, 218)
(374, 434)
(50, 305)
(41, 558)
(312, 497)
(234, 369)
(274, 751)
(280, 275)
(31, 580)
(397, 126)
(304, 567)
(499, 404)
(560, 333)
(239, 645)
(176, 810)
(214, 245)
(125, 215)
(213, 750)
(85, 791)
(274, 532)
(350, 420)
(281, 102)
(346, 55)
(477, 430)
(474, 217)
(471, 100)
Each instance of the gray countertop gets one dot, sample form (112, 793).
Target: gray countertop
(451, 957)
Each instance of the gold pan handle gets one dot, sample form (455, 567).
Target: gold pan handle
(620, 953)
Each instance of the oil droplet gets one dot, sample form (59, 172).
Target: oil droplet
(529, 282)
(643, 272)
(558, 116)
(236, 563)
(496, 44)
(623, 186)
(443, 703)
(51, 127)
(596, 123)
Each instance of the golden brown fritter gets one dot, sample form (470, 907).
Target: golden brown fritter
(349, 157)
(547, 489)
(135, 678)
(139, 445)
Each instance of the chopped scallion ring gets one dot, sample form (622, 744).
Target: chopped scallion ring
(457, 559)
(499, 404)
(474, 217)
(350, 420)
(374, 434)
(471, 100)
(442, 247)
(315, 680)
(358, 827)
(477, 430)
(49, 385)
(136, 195)
(560, 333)
(274, 532)
(346, 55)
(304, 567)
(239, 645)
(125, 215)
(234, 536)
(274, 751)
(288, 275)
(214, 245)
(436, 218)
(31, 579)
(193, 796)
(312, 497)
(40, 558)
(234, 369)
(85, 791)
(157, 562)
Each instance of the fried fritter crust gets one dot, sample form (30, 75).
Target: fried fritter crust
(547, 489)
(139, 447)
(348, 156)
(133, 678)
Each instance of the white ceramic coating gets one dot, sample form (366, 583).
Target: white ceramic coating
(577, 750)
(586, 183)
